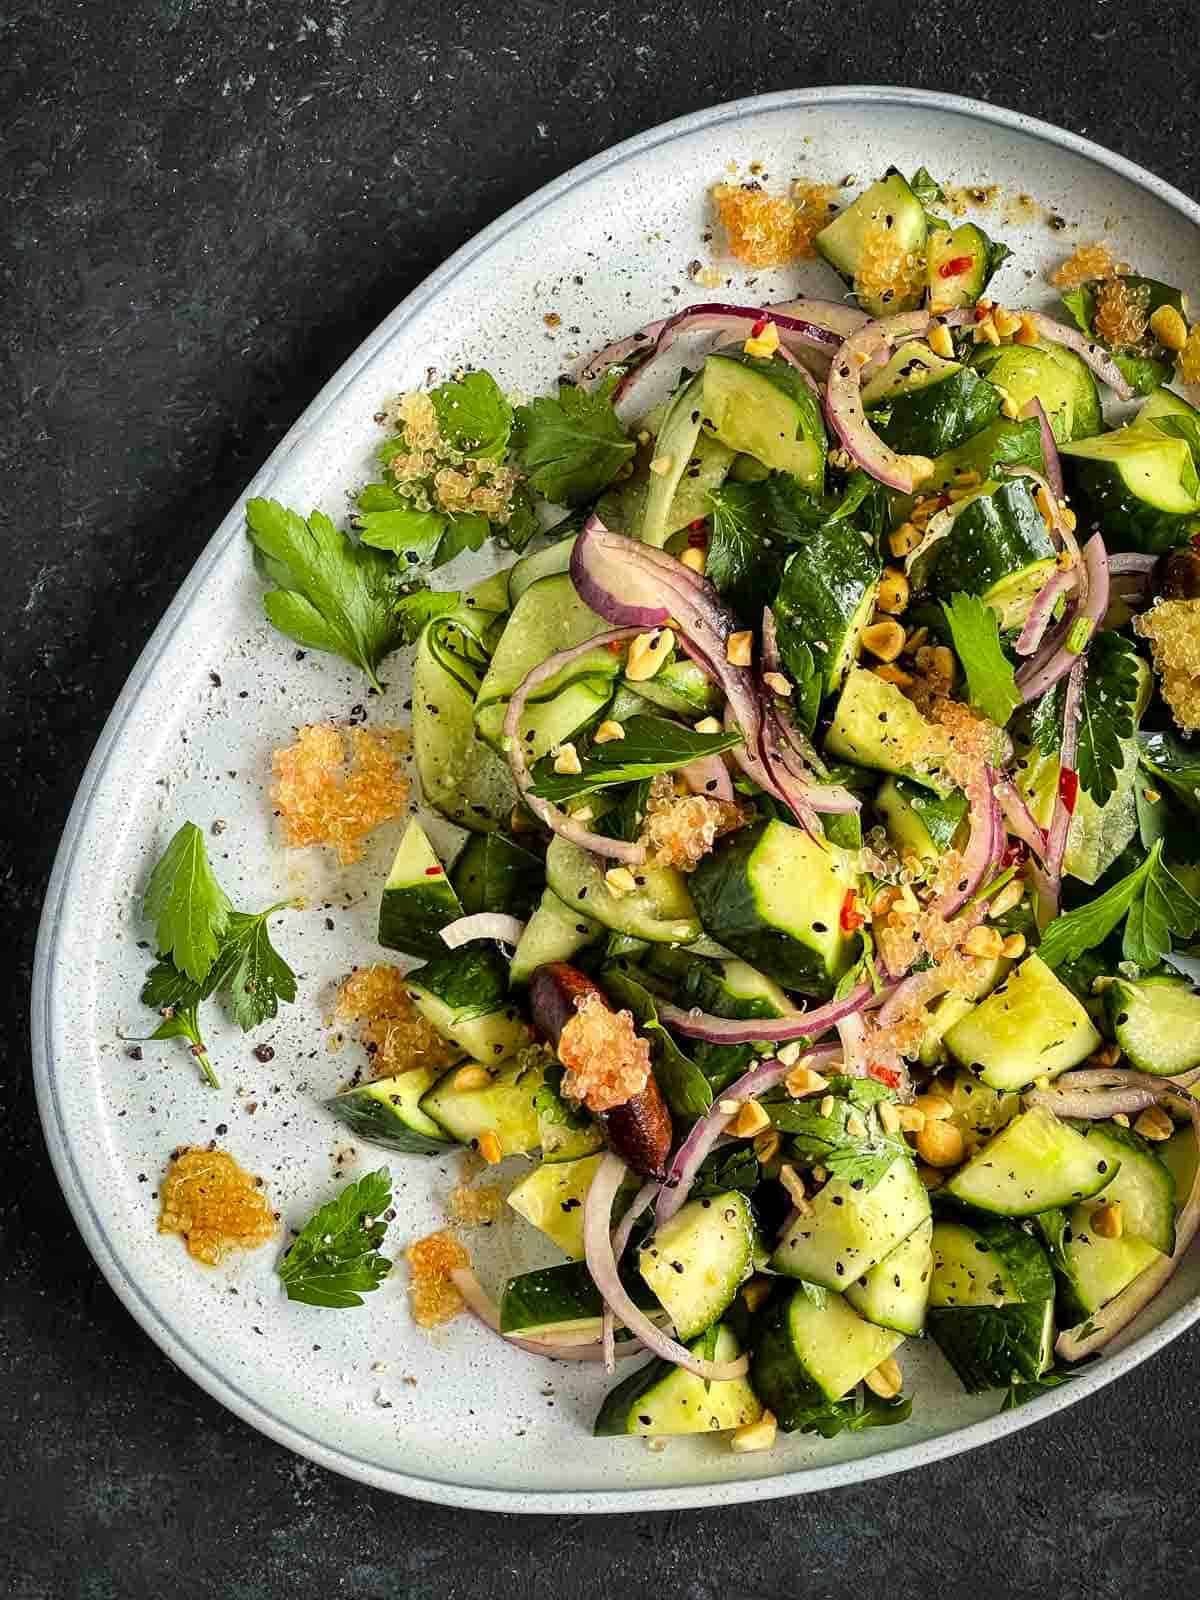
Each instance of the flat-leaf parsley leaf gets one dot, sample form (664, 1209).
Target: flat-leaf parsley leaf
(334, 1259)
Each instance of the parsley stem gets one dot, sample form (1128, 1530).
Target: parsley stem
(989, 889)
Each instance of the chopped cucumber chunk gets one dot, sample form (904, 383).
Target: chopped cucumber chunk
(1156, 1021)
(659, 910)
(1033, 1164)
(1032, 1026)
(387, 1112)
(696, 1262)
(849, 1230)
(811, 1348)
(894, 1294)
(552, 1198)
(764, 408)
(418, 900)
(663, 1399)
(504, 1107)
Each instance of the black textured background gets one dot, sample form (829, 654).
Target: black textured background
(206, 206)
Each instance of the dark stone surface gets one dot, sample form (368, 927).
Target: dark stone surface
(207, 206)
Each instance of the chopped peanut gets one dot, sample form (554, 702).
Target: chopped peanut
(1107, 1220)
(905, 539)
(893, 592)
(647, 653)
(940, 1144)
(766, 1146)
(566, 760)
(778, 683)
(694, 558)
(884, 639)
(1013, 947)
(661, 465)
(763, 344)
(758, 1435)
(607, 732)
(933, 1107)
(910, 1119)
(984, 942)
(802, 1080)
(620, 881)
(887, 1380)
(472, 1077)
(490, 1147)
(1154, 1124)
(739, 649)
(1169, 328)
(750, 1120)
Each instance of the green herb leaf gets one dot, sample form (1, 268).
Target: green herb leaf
(859, 1410)
(335, 1258)
(1164, 910)
(651, 745)
(187, 905)
(991, 682)
(1090, 924)
(573, 447)
(185, 1024)
(926, 189)
(413, 537)
(332, 594)
(550, 1106)
(1019, 1394)
(465, 530)
(733, 1167)
(1174, 764)
(250, 971)
(1046, 720)
(1081, 303)
(743, 561)
(414, 610)
(474, 416)
(819, 1140)
(1107, 705)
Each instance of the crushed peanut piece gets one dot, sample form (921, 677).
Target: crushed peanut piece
(802, 1080)
(620, 881)
(333, 786)
(760, 1435)
(647, 652)
(490, 1147)
(1154, 1124)
(214, 1204)
(471, 1077)
(566, 760)
(777, 682)
(750, 1120)
(1169, 328)
(739, 649)
(886, 1380)
(607, 1062)
(794, 1184)
(694, 558)
(766, 1146)
(607, 732)
(1107, 1220)
(432, 1293)
(394, 1033)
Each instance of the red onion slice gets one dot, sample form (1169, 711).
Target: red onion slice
(985, 844)
(705, 1133)
(1053, 463)
(597, 1240)
(1021, 821)
(708, 776)
(483, 925)
(1096, 357)
(697, 1024)
(1053, 661)
(1068, 782)
(1042, 607)
(620, 1238)
(1129, 562)
(918, 989)
(554, 818)
(852, 1031)
(1104, 1325)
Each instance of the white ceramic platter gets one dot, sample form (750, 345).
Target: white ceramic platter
(457, 1417)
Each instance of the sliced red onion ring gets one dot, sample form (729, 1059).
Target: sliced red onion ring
(852, 1031)
(790, 777)
(554, 818)
(1096, 357)
(1042, 607)
(1053, 661)
(483, 925)
(708, 776)
(1104, 1325)
(597, 1240)
(843, 397)
(985, 844)
(1050, 456)
(1021, 821)
(639, 344)
(620, 1238)
(918, 989)
(705, 1133)
(561, 1347)
(697, 1024)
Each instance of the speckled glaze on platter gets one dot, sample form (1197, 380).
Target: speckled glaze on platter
(456, 1417)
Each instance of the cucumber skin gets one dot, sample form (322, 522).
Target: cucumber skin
(776, 1377)
(824, 587)
(993, 537)
(369, 1120)
(939, 417)
(1128, 523)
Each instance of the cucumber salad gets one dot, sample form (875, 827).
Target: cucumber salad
(823, 934)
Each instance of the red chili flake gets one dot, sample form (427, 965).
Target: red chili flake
(759, 328)
(615, 646)
(980, 313)
(1014, 854)
(698, 522)
(697, 538)
(1068, 789)
(887, 1075)
(954, 268)
(851, 918)
(433, 872)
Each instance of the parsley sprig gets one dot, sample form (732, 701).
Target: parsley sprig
(206, 948)
(991, 681)
(334, 1259)
(1106, 713)
(572, 447)
(1154, 905)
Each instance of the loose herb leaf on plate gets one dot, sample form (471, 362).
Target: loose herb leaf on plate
(250, 971)
(187, 905)
(178, 998)
(857, 1411)
(991, 682)
(335, 1260)
(332, 594)
(1106, 717)
(926, 188)
(572, 447)
(651, 745)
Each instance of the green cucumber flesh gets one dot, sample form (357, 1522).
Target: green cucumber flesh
(1002, 443)
(1156, 1021)
(555, 932)
(458, 774)
(662, 1400)
(1143, 1186)
(912, 367)
(1032, 1026)
(680, 687)
(552, 1197)
(549, 562)
(387, 1112)
(1052, 374)
(695, 1263)
(1091, 1269)
(888, 208)
(987, 1262)
(1033, 1164)
(489, 1037)
(732, 989)
(504, 1107)
(826, 597)
(418, 899)
(894, 1294)
(774, 895)
(1181, 1159)
(686, 465)
(849, 1230)
(811, 1348)
(875, 726)
(1098, 833)
(919, 822)
(970, 253)
(659, 910)
(976, 1110)
(764, 408)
